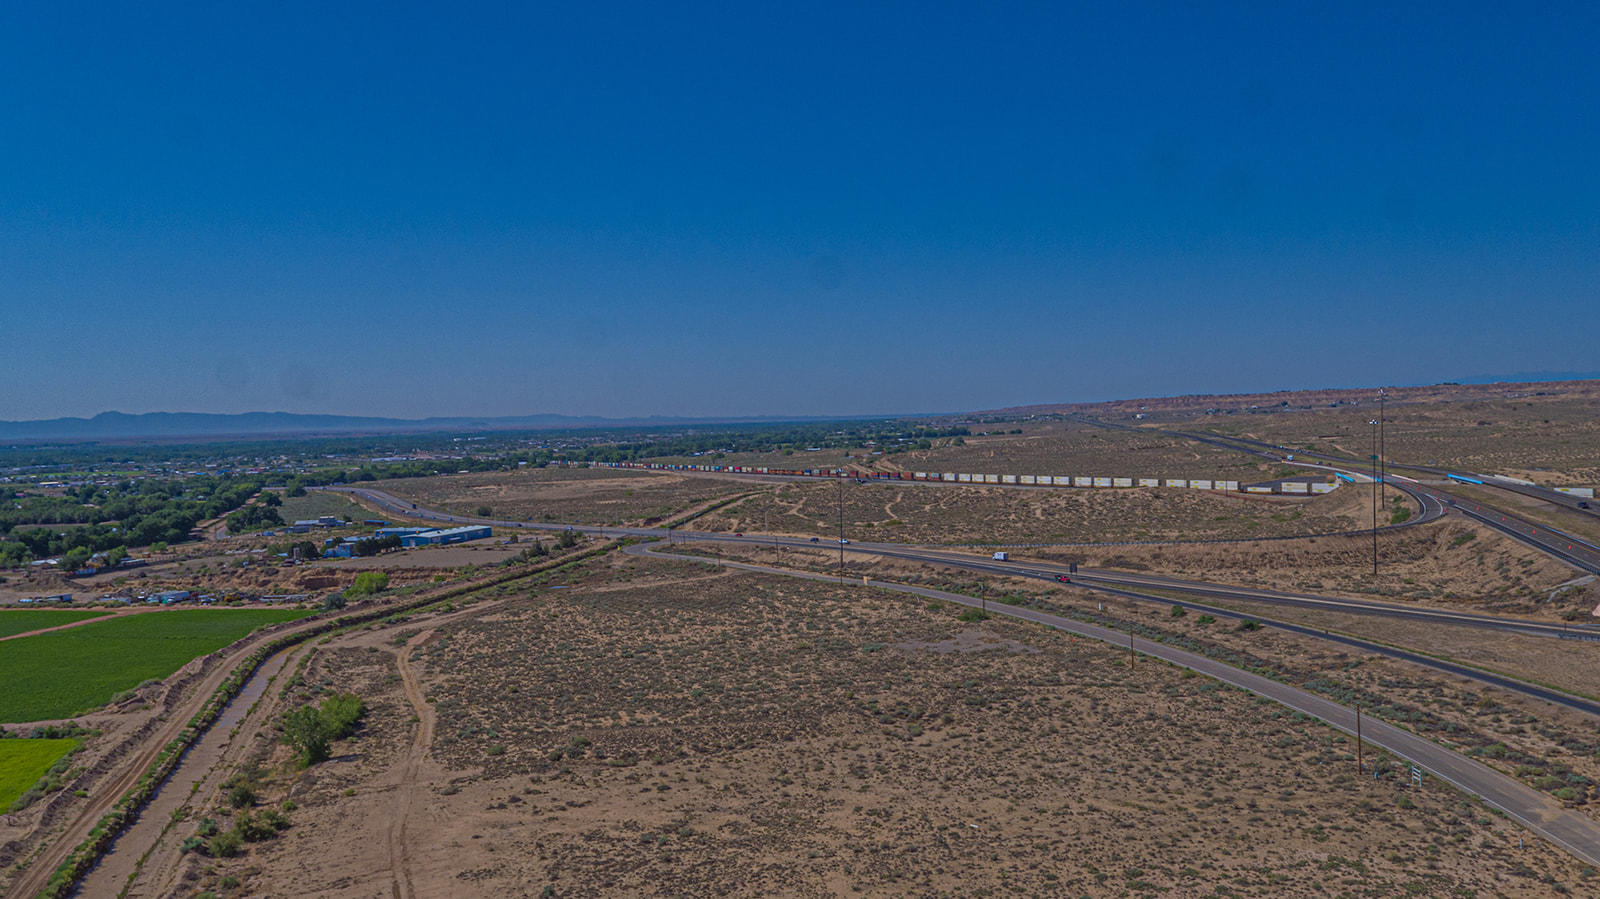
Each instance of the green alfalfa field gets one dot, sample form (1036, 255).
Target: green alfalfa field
(69, 672)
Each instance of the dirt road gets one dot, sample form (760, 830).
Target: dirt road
(404, 791)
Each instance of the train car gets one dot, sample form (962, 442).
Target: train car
(1463, 479)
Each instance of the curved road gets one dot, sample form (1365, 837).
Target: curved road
(396, 505)
(1115, 583)
(1575, 551)
(1571, 830)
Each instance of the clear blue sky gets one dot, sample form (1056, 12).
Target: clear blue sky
(681, 209)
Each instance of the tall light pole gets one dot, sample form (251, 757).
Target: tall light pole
(1383, 457)
(841, 523)
(1376, 482)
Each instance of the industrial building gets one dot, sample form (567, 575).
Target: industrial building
(398, 532)
(446, 537)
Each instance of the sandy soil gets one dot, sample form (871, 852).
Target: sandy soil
(599, 496)
(745, 735)
(912, 513)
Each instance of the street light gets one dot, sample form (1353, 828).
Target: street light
(841, 523)
(1376, 484)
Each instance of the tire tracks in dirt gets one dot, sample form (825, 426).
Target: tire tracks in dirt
(405, 790)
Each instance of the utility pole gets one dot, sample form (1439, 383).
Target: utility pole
(1383, 457)
(841, 523)
(1376, 482)
(1361, 767)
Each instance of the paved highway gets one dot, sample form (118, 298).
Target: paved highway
(1114, 583)
(1573, 550)
(1571, 830)
(1040, 570)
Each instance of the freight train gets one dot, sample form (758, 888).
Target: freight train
(1025, 480)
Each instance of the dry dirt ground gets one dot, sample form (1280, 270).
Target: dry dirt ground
(1550, 747)
(911, 513)
(1043, 447)
(1553, 438)
(1453, 562)
(597, 496)
(1070, 448)
(669, 729)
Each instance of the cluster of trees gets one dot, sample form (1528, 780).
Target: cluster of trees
(374, 545)
(261, 515)
(132, 513)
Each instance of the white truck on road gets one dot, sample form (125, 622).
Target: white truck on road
(1002, 557)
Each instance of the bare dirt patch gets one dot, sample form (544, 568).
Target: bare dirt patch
(910, 513)
(595, 496)
(748, 735)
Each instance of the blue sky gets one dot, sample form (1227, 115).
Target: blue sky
(634, 209)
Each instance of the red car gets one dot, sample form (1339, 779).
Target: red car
(1063, 579)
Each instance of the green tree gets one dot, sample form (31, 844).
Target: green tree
(75, 558)
(368, 583)
(303, 731)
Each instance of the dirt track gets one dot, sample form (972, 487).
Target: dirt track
(410, 774)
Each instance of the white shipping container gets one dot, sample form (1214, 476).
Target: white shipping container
(1177, 482)
(1585, 492)
(1063, 481)
(964, 478)
(1082, 482)
(1045, 479)
(1227, 485)
(921, 475)
(991, 479)
(1122, 482)
(1102, 482)
(1149, 482)
(1029, 479)
(1324, 488)
(949, 475)
(1200, 485)
(1258, 490)
(1296, 487)
(1008, 479)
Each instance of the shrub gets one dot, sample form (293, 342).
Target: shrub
(340, 713)
(302, 729)
(312, 730)
(973, 615)
(368, 583)
(225, 844)
(1179, 611)
(241, 796)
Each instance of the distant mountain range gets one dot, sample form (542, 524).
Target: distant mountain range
(173, 425)
(1532, 377)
